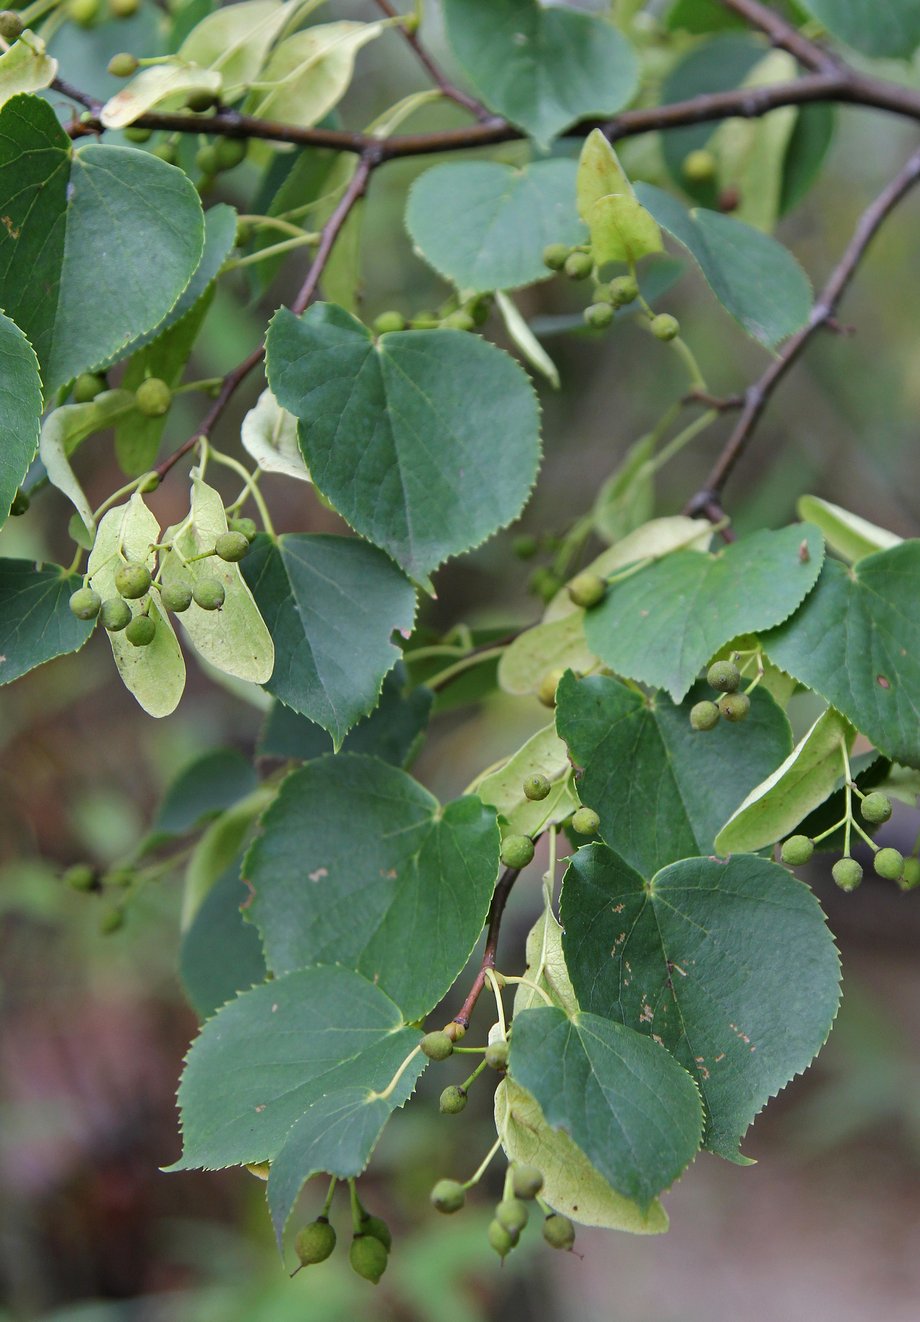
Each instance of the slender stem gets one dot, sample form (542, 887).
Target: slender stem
(445, 676)
(329, 1196)
(468, 1083)
(435, 72)
(708, 499)
(526, 982)
(494, 984)
(688, 358)
(273, 250)
(251, 487)
(496, 910)
(389, 1089)
(483, 1165)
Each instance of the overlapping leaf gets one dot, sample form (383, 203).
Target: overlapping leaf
(20, 408)
(875, 27)
(36, 622)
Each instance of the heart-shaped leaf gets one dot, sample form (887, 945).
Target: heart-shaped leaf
(729, 965)
(25, 67)
(662, 624)
(393, 435)
(36, 622)
(357, 863)
(269, 436)
(856, 641)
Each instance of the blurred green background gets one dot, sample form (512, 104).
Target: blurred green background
(93, 1028)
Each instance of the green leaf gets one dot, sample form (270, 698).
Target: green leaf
(662, 624)
(875, 27)
(545, 968)
(541, 68)
(808, 776)
(222, 841)
(729, 964)
(209, 784)
(88, 297)
(331, 604)
(856, 641)
(700, 16)
(662, 789)
(167, 85)
(235, 41)
(20, 408)
(269, 436)
(808, 147)
(235, 638)
(621, 1098)
(393, 731)
(847, 534)
(545, 754)
(571, 1185)
(396, 439)
(155, 675)
(268, 1056)
(310, 72)
(357, 863)
(755, 278)
(627, 499)
(36, 622)
(64, 429)
(621, 229)
(484, 225)
(220, 953)
(25, 67)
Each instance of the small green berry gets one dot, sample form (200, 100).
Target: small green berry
(123, 65)
(230, 152)
(479, 309)
(178, 595)
(115, 614)
(517, 851)
(536, 787)
(500, 1239)
(425, 321)
(149, 482)
(140, 632)
(734, 706)
(87, 386)
(388, 322)
(459, 320)
(153, 397)
(85, 603)
(526, 1181)
(544, 584)
(847, 873)
(137, 133)
(199, 102)
(82, 12)
(132, 580)
(559, 1232)
(585, 821)
(876, 807)
(555, 255)
(80, 877)
(209, 594)
(112, 920)
(704, 716)
(376, 1226)
(496, 1056)
(587, 590)
(20, 504)
(724, 677)
(231, 546)
(448, 1196)
(124, 8)
(578, 265)
(512, 1214)
(11, 25)
(665, 327)
(910, 874)
(368, 1257)
(546, 691)
(598, 315)
(437, 1046)
(314, 1242)
(699, 166)
(889, 863)
(452, 1100)
(123, 877)
(524, 546)
(797, 850)
(166, 151)
(246, 526)
(623, 290)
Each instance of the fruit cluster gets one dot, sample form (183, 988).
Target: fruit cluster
(889, 863)
(609, 296)
(725, 678)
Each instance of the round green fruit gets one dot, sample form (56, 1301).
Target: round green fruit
(115, 614)
(85, 603)
(536, 787)
(388, 322)
(20, 504)
(699, 166)
(376, 1226)
(112, 920)
(314, 1242)
(11, 25)
(704, 716)
(178, 595)
(448, 1196)
(153, 397)
(585, 821)
(199, 102)
(543, 583)
(368, 1257)
(140, 632)
(82, 12)
(910, 874)
(123, 65)
(889, 863)
(847, 873)
(555, 255)
(452, 1100)
(665, 327)
(724, 677)
(496, 1056)
(232, 546)
(876, 807)
(623, 290)
(137, 133)
(598, 315)
(517, 851)
(735, 706)
(132, 580)
(526, 1181)
(246, 526)
(501, 1239)
(797, 850)
(559, 1232)
(230, 152)
(587, 590)
(546, 691)
(166, 151)
(524, 546)
(124, 8)
(512, 1214)
(80, 877)
(578, 265)
(209, 594)
(87, 386)
(437, 1046)
(459, 320)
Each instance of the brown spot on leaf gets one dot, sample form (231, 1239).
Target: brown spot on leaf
(882, 682)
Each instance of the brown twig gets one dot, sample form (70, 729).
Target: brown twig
(708, 499)
(233, 380)
(496, 910)
(434, 70)
(784, 35)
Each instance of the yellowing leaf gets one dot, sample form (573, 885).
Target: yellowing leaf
(269, 435)
(311, 72)
(525, 340)
(599, 173)
(152, 87)
(546, 968)
(544, 753)
(621, 228)
(154, 674)
(847, 533)
(64, 429)
(25, 67)
(235, 40)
